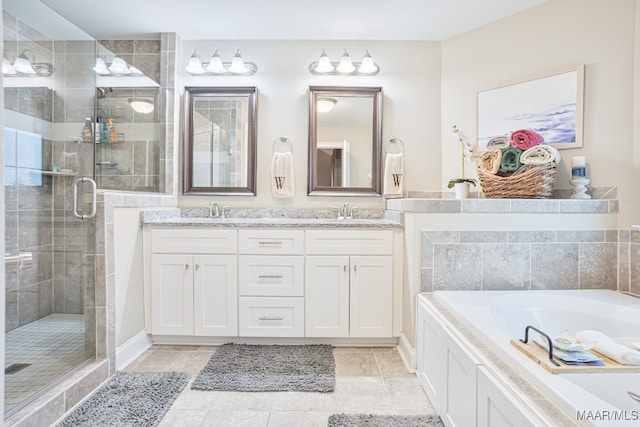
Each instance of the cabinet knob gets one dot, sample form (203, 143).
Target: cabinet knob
(355, 268)
(197, 266)
(186, 266)
(344, 268)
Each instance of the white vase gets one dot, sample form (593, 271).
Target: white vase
(462, 190)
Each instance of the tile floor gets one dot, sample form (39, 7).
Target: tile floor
(368, 380)
(52, 346)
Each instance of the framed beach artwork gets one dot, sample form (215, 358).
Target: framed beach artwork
(551, 105)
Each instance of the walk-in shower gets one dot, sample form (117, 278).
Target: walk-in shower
(53, 153)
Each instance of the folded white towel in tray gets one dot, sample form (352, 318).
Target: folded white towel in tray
(603, 344)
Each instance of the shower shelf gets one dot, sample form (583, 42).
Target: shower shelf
(51, 173)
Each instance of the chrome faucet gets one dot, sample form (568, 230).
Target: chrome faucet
(345, 211)
(214, 210)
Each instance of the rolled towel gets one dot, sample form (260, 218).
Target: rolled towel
(490, 161)
(510, 161)
(608, 347)
(523, 169)
(499, 142)
(540, 155)
(525, 139)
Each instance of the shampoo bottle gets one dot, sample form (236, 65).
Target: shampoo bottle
(113, 134)
(104, 132)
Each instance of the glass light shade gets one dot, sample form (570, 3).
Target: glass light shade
(345, 65)
(324, 105)
(101, 67)
(215, 65)
(237, 64)
(324, 64)
(367, 66)
(23, 65)
(141, 105)
(7, 68)
(195, 65)
(119, 66)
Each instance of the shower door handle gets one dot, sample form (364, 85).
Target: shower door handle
(94, 190)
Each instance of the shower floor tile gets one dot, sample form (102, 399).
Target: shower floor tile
(52, 346)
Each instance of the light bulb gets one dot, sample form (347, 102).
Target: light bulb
(324, 64)
(215, 65)
(345, 66)
(195, 65)
(119, 66)
(23, 65)
(101, 67)
(237, 64)
(367, 66)
(7, 68)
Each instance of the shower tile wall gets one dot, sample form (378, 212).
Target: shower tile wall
(133, 163)
(512, 260)
(38, 216)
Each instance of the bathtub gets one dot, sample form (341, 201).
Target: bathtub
(498, 316)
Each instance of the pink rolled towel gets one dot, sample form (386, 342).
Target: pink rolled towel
(525, 139)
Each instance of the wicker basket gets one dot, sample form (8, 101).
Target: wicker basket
(535, 183)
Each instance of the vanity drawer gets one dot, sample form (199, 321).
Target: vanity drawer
(271, 275)
(193, 241)
(271, 317)
(271, 242)
(349, 242)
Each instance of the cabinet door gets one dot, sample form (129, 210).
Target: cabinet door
(371, 298)
(460, 382)
(327, 296)
(431, 355)
(497, 407)
(215, 295)
(172, 294)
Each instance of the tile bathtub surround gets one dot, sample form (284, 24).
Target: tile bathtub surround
(506, 260)
(372, 380)
(633, 263)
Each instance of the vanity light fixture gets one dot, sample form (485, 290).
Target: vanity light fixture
(118, 67)
(216, 67)
(24, 67)
(141, 105)
(324, 66)
(324, 105)
(101, 67)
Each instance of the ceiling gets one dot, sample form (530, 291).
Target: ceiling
(282, 19)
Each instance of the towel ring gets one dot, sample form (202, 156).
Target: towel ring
(393, 140)
(282, 140)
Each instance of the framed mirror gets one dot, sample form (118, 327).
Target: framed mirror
(345, 141)
(220, 140)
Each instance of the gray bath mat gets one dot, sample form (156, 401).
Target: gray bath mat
(369, 420)
(243, 367)
(129, 399)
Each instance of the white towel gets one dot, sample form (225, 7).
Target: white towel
(282, 175)
(608, 347)
(540, 155)
(394, 175)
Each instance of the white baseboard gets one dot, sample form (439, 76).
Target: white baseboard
(407, 353)
(132, 349)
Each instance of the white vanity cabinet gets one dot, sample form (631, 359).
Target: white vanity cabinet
(348, 283)
(194, 282)
(271, 283)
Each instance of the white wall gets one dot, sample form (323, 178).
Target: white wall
(556, 34)
(127, 236)
(410, 78)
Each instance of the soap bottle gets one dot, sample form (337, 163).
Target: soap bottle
(113, 134)
(104, 133)
(87, 131)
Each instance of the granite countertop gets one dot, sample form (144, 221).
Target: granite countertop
(270, 218)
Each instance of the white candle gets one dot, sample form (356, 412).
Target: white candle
(578, 167)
